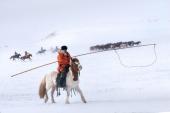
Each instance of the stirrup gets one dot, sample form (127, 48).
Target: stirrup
(58, 91)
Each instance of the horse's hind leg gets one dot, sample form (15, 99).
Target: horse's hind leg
(81, 94)
(46, 97)
(52, 94)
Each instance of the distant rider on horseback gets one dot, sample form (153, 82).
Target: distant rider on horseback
(63, 66)
(15, 53)
(26, 53)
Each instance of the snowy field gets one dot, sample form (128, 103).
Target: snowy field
(108, 86)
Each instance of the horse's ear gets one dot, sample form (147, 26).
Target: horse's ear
(71, 58)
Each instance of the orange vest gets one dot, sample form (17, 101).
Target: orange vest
(63, 60)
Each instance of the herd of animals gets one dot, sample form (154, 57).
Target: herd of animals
(117, 45)
(28, 55)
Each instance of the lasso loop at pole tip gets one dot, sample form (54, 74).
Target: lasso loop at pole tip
(148, 65)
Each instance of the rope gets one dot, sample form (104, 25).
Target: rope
(128, 66)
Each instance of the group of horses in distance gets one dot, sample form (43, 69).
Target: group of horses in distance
(28, 56)
(23, 58)
(117, 45)
(42, 50)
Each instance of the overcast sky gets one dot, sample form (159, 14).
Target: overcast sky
(27, 21)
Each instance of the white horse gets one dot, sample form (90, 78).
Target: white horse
(49, 82)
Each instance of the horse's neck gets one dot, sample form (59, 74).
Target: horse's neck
(70, 74)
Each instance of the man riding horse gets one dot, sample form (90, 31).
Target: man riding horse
(26, 56)
(63, 66)
(16, 55)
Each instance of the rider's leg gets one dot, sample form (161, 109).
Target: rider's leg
(64, 75)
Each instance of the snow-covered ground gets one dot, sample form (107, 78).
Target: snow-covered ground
(107, 85)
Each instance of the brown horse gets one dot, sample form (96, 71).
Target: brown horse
(49, 82)
(26, 57)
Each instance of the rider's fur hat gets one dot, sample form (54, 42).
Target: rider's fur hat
(63, 47)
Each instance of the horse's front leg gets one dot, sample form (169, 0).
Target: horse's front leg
(52, 94)
(68, 94)
(81, 94)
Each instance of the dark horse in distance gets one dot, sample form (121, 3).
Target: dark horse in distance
(26, 56)
(15, 56)
(42, 50)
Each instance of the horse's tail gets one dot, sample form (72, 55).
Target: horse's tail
(42, 88)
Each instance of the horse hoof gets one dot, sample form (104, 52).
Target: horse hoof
(67, 102)
(46, 100)
(85, 102)
(53, 102)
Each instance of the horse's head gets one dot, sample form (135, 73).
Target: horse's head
(76, 64)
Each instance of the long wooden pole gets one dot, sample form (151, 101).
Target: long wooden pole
(33, 68)
(79, 56)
